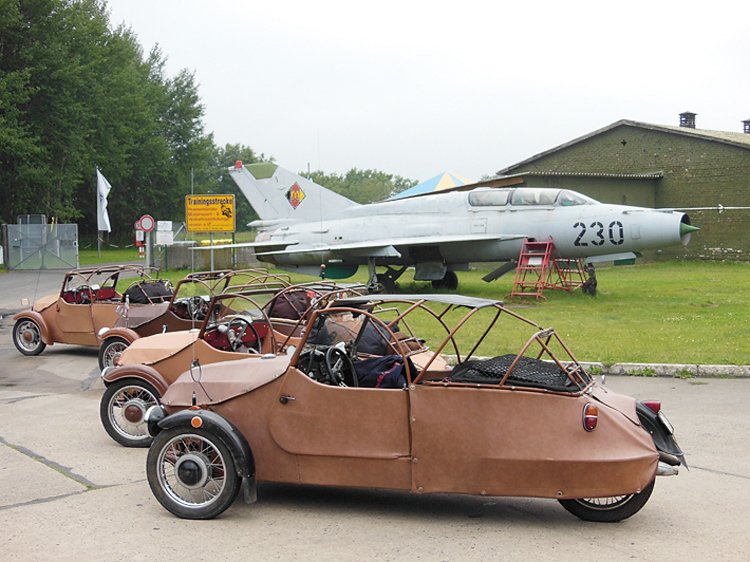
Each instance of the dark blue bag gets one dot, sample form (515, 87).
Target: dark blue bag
(382, 372)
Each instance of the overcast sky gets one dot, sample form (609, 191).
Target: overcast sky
(417, 88)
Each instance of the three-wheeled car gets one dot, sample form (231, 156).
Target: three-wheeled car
(87, 302)
(255, 320)
(431, 394)
(186, 308)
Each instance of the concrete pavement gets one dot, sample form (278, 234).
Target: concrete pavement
(68, 492)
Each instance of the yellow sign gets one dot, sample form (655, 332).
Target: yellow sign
(209, 213)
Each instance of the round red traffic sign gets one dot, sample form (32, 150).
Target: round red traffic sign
(147, 223)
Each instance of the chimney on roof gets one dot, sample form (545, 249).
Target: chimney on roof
(746, 126)
(687, 119)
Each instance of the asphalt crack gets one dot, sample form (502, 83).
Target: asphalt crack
(42, 500)
(720, 472)
(64, 470)
(92, 378)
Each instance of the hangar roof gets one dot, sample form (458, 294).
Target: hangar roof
(741, 140)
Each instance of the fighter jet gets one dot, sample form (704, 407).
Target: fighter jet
(307, 228)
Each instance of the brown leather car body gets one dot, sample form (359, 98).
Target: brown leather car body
(155, 318)
(161, 358)
(76, 316)
(431, 436)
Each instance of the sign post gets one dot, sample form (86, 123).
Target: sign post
(147, 224)
(210, 213)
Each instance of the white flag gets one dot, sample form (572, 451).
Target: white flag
(102, 190)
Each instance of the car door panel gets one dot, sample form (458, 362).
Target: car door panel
(342, 433)
(75, 323)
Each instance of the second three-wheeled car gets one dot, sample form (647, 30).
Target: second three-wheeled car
(255, 320)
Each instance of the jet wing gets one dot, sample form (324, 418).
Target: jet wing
(386, 247)
(267, 244)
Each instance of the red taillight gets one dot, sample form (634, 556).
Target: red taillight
(653, 405)
(590, 416)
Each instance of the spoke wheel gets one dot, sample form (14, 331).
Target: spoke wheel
(27, 336)
(123, 409)
(110, 351)
(191, 473)
(608, 509)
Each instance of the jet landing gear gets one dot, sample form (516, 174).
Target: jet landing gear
(589, 286)
(384, 282)
(449, 281)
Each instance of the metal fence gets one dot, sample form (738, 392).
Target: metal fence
(41, 246)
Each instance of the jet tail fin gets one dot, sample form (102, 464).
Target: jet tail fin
(276, 193)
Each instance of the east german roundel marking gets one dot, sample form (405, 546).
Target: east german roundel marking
(295, 195)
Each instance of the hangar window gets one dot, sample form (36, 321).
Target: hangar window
(489, 198)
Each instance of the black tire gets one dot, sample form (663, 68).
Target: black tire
(110, 349)
(123, 406)
(449, 281)
(27, 336)
(192, 473)
(609, 510)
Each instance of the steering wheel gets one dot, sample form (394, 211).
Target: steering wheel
(340, 367)
(82, 292)
(197, 307)
(242, 325)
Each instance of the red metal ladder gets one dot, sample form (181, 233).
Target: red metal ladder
(538, 270)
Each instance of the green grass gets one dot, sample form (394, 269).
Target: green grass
(90, 256)
(664, 312)
(661, 312)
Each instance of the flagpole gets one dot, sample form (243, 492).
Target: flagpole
(98, 239)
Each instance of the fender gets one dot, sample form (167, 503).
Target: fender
(36, 317)
(666, 444)
(219, 426)
(143, 372)
(128, 334)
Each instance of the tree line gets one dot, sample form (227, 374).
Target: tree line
(76, 94)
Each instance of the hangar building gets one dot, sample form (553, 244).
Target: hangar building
(635, 163)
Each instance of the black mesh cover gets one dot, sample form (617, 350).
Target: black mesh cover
(527, 372)
(147, 292)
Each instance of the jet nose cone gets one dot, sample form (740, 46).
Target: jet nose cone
(687, 228)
